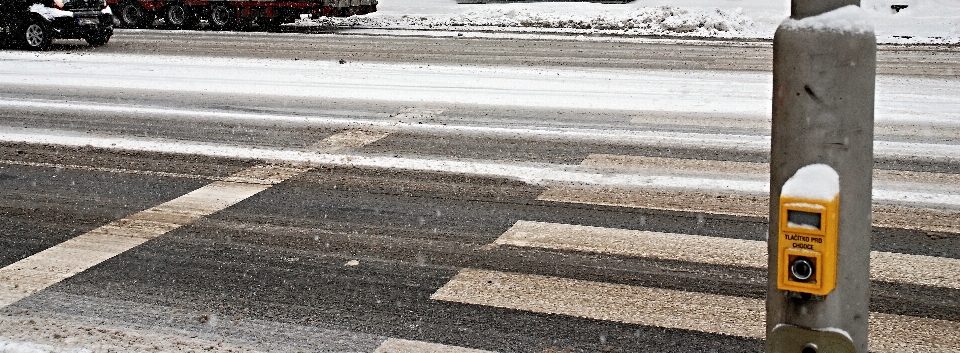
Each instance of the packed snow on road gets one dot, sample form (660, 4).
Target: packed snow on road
(896, 21)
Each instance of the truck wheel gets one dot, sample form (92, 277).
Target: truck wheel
(98, 39)
(132, 15)
(222, 17)
(179, 16)
(36, 36)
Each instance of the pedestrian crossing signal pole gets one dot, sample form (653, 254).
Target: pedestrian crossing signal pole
(821, 162)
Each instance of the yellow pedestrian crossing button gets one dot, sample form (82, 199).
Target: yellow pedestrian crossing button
(809, 208)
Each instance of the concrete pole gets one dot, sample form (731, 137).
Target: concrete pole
(800, 9)
(823, 110)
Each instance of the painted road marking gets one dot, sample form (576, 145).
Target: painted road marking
(534, 173)
(109, 170)
(46, 268)
(884, 266)
(394, 345)
(636, 243)
(417, 115)
(746, 205)
(704, 119)
(661, 199)
(350, 139)
(749, 170)
(761, 123)
(606, 301)
(888, 185)
(633, 164)
(702, 312)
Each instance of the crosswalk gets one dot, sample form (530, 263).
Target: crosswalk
(46, 268)
(703, 312)
(623, 303)
(41, 270)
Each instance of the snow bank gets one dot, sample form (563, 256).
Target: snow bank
(813, 182)
(662, 20)
(922, 21)
(847, 19)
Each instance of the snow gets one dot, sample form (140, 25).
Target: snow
(847, 19)
(49, 13)
(837, 331)
(923, 21)
(908, 100)
(26, 347)
(813, 182)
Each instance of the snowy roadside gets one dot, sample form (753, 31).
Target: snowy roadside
(921, 22)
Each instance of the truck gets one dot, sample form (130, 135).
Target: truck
(229, 14)
(33, 24)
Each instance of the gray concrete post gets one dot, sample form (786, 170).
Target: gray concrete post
(823, 109)
(805, 8)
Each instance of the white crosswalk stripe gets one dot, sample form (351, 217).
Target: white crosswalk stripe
(884, 266)
(736, 316)
(686, 310)
(46, 268)
(394, 345)
(605, 301)
(41, 270)
(703, 312)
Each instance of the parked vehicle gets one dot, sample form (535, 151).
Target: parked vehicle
(33, 24)
(227, 14)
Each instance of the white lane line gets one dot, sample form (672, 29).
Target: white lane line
(943, 128)
(889, 185)
(46, 268)
(669, 200)
(534, 173)
(884, 215)
(394, 345)
(884, 266)
(752, 143)
(754, 171)
(109, 170)
(644, 164)
(704, 119)
(622, 136)
(702, 312)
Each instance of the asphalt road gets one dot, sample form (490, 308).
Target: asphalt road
(471, 49)
(351, 257)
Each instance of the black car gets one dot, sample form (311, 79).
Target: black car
(33, 24)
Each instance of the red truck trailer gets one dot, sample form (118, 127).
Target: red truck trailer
(226, 14)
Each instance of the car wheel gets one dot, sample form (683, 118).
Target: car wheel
(98, 39)
(132, 15)
(35, 35)
(222, 17)
(178, 16)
